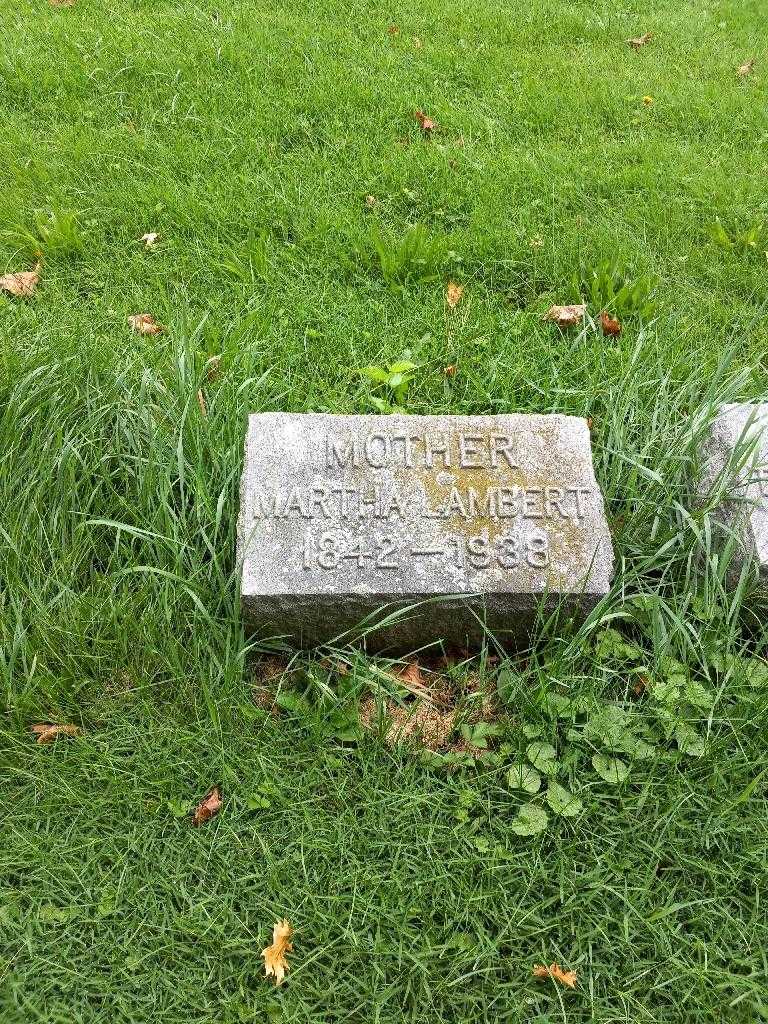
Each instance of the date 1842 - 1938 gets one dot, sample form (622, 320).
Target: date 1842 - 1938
(332, 549)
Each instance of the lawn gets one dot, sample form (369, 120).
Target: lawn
(307, 228)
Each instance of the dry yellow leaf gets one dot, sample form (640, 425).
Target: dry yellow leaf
(47, 733)
(566, 316)
(23, 284)
(555, 971)
(212, 367)
(746, 69)
(417, 43)
(639, 41)
(370, 202)
(450, 371)
(149, 238)
(427, 124)
(648, 101)
(144, 323)
(453, 294)
(275, 963)
(202, 403)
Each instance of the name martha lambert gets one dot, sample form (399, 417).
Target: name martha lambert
(441, 452)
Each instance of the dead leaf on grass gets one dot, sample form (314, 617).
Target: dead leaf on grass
(333, 665)
(47, 732)
(566, 316)
(370, 202)
(453, 294)
(202, 403)
(426, 123)
(411, 677)
(450, 371)
(208, 807)
(275, 962)
(640, 41)
(22, 284)
(555, 971)
(62, 3)
(610, 325)
(642, 684)
(746, 68)
(393, 30)
(149, 239)
(417, 43)
(145, 323)
(212, 366)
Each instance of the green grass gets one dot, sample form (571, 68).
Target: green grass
(249, 138)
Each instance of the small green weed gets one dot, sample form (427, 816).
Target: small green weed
(249, 262)
(741, 241)
(395, 378)
(608, 287)
(54, 233)
(321, 702)
(415, 258)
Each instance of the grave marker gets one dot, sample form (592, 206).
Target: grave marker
(340, 515)
(736, 460)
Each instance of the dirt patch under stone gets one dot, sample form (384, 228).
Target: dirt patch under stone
(418, 721)
(428, 715)
(431, 714)
(267, 674)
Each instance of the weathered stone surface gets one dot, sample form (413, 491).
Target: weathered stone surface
(487, 518)
(735, 465)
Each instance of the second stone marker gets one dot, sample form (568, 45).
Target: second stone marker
(488, 518)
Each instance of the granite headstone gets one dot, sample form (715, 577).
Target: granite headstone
(480, 522)
(735, 466)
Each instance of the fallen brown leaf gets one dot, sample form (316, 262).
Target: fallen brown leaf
(370, 202)
(450, 371)
(22, 284)
(610, 325)
(275, 963)
(202, 403)
(556, 972)
(589, 422)
(639, 41)
(746, 69)
(208, 807)
(426, 124)
(410, 675)
(642, 684)
(417, 43)
(393, 30)
(144, 323)
(453, 294)
(212, 367)
(339, 667)
(566, 316)
(149, 238)
(47, 733)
